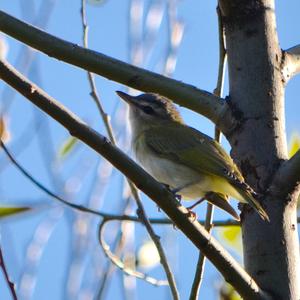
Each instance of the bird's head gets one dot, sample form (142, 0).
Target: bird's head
(147, 110)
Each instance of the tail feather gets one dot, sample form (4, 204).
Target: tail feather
(247, 195)
(221, 201)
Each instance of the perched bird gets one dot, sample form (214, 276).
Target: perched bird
(191, 163)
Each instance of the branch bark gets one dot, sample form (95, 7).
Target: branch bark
(230, 269)
(287, 178)
(203, 102)
(291, 62)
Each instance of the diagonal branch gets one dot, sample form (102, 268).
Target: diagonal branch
(287, 177)
(165, 199)
(10, 284)
(203, 102)
(291, 62)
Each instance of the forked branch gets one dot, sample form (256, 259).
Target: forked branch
(287, 177)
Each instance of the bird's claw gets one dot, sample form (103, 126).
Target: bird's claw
(174, 192)
(191, 214)
(177, 196)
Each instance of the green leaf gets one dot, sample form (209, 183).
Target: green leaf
(231, 235)
(67, 146)
(227, 292)
(293, 148)
(9, 211)
(294, 144)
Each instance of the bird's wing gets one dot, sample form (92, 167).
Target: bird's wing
(180, 143)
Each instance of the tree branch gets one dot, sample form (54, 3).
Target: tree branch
(165, 199)
(203, 102)
(10, 284)
(287, 177)
(291, 62)
(119, 263)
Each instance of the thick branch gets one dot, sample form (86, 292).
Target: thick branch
(205, 103)
(230, 269)
(291, 62)
(287, 177)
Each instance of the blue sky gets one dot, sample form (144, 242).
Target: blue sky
(197, 64)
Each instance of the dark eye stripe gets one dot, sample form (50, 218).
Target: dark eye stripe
(148, 110)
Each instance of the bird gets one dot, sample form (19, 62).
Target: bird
(192, 164)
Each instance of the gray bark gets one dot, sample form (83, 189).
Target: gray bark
(255, 60)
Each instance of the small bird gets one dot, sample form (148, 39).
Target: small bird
(191, 163)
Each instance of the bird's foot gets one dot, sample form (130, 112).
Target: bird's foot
(174, 192)
(191, 214)
(177, 197)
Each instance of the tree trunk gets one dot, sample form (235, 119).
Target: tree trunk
(271, 250)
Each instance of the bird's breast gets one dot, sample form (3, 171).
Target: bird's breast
(191, 184)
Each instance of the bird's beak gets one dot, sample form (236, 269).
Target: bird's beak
(131, 100)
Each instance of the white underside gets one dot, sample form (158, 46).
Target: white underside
(189, 184)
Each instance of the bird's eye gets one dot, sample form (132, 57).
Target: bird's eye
(148, 110)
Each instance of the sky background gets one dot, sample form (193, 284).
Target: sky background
(51, 252)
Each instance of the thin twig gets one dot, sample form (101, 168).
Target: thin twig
(163, 258)
(117, 261)
(210, 208)
(201, 259)
(10, 284)
(117, 248)
(46, 190)
(94, 93)
(141, 212)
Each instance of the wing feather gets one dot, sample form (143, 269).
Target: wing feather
(180, 143)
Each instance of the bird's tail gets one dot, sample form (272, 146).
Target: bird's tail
(221, 201)
(248, 195)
